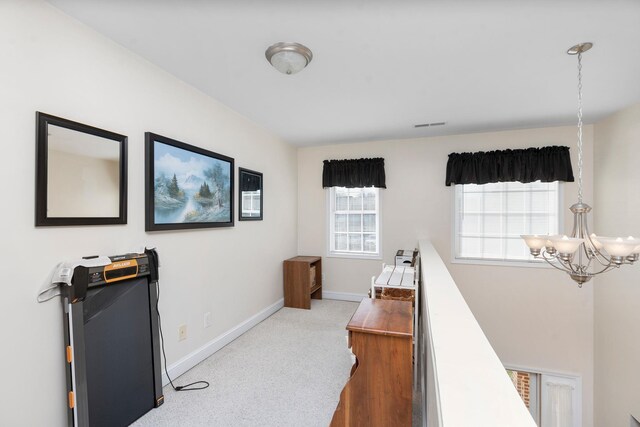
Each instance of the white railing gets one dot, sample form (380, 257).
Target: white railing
(464, 384)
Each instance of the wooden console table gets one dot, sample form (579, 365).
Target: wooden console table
(302, 281)
(379, 391)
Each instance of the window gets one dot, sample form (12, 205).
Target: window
(354, 222)
(251, 203)
(527, 385)
(490, 218)
(553, 400)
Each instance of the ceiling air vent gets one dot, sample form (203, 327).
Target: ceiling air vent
(426, 125)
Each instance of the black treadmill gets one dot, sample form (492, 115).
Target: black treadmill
(112, 341)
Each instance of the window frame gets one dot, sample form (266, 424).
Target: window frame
(575, 378)
(532, 263)
(330, 201)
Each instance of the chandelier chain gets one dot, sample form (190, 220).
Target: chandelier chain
(579, 127)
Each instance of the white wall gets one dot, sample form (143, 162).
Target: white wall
(533, 317)
(617, 294)
(54, 64)
(82, 186)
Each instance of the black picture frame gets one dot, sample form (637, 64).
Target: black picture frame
(42, 219)
(213, 198)
(249, 180)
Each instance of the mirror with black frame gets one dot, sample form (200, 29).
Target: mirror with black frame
(81, 174)
(250, 195)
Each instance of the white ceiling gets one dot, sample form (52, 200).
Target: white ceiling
(380, 67)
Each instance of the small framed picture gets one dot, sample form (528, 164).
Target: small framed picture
(186, 186)
(250, 195)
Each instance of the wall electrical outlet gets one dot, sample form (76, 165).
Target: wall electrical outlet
(182, 332)
(207, 319)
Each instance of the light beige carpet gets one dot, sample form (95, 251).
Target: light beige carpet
(287, 371)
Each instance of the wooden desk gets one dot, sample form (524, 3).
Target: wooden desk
(379, 391)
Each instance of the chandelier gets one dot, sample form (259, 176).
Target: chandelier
(583, 255)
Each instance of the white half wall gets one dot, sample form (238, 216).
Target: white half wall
(534, 317)
(54, 64)
(617, 294)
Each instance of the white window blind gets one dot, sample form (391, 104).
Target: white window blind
(490, 218)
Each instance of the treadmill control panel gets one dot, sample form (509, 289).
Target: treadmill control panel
(120, 269)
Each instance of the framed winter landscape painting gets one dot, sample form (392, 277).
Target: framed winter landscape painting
(186, 186)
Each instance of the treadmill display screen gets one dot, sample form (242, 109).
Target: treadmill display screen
(113, 275)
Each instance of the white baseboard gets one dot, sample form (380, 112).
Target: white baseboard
(197, 356)
(343, 296)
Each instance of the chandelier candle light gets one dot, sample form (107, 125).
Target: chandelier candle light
(583, 255)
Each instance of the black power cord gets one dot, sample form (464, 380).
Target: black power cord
(186, 387)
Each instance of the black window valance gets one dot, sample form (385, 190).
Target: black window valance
(546, 164)
(249, 182)
(354, 173)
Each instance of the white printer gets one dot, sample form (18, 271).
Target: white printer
(406, 258)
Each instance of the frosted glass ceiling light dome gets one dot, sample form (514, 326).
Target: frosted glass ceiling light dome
(582, 254)
(288, 58)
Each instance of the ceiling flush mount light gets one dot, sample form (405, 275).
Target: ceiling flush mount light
(288, 58)
(581, 254)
